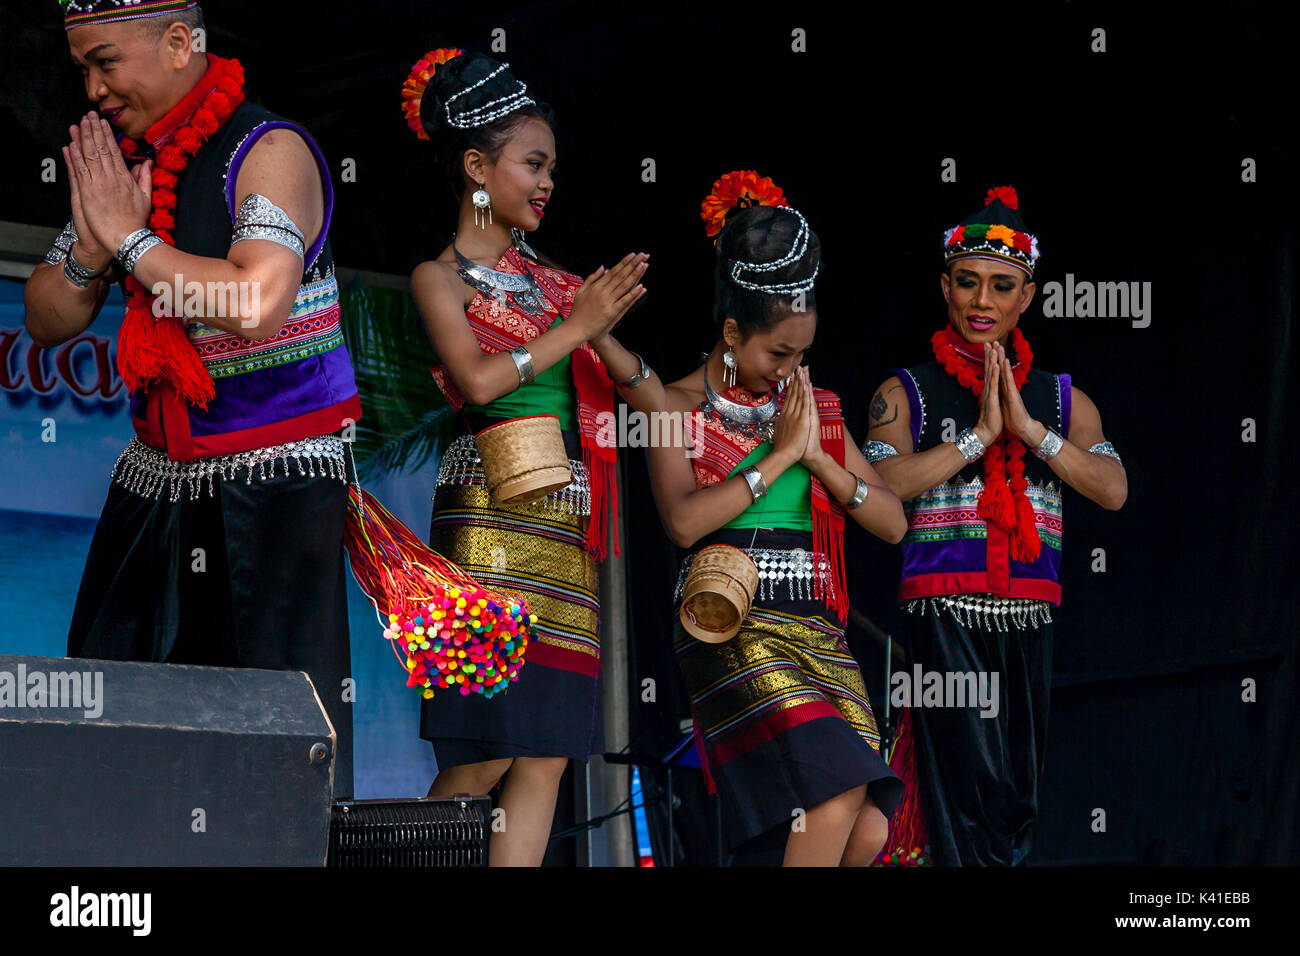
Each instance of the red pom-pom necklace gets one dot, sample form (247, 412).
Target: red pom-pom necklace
(1003, 502)
(158, 350)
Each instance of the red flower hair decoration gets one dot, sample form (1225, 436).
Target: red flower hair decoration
(739, 188)
(418, 80)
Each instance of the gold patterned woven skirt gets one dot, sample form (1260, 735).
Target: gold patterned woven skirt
(781, 710)
(537, 551)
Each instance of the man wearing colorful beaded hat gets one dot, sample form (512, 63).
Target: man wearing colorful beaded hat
(221, 541)
(983, 548)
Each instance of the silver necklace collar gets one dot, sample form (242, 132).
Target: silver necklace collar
(741, 414)
(521, 288)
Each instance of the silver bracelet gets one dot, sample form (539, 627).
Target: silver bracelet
(524, 363)
(62, 243)
(1050, 445)
(136, 245)
(969, 444)
(637, 379)
(754, 478)
(78, 274)
(859, 496)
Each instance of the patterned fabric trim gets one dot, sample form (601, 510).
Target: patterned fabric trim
(311, 329)
(145, 471)
(62, 245)
(875, 451)
(950, 511)
(461, 465)
(987, 611)
(1107, 449)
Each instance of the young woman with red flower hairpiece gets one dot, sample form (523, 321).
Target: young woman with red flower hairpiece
(206, 188)
(983, 548)
(782, 719)
(518, 338)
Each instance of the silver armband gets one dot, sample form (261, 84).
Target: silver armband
(1050, 446)
(136, 245)
(754, 478)
(259, 218)
(859, 496)
(62, 245)
(969, 444)
(524, 363)
(1107, 449)
(875, 451)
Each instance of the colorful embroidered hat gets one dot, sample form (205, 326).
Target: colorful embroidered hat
(80, 12)
(995, 232)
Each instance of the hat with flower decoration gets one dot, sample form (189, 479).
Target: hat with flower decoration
(78, 13)
(995, 232)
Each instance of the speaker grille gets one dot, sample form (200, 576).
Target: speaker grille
(443, 832)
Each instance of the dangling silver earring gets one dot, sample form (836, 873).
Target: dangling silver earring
(729, 368)
(482, 208)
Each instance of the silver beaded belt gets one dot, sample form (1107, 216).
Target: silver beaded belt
(146, 470)
(775, 566)
(994, 613)
(461, 465)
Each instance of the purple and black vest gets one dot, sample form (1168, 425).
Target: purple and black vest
(296, 384)
(949, 548)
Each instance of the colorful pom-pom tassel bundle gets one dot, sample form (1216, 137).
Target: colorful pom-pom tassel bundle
(464, 638)
(445, 629)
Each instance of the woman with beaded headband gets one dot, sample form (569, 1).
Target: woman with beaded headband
(982, 553)
(518, 338)
(780, 710)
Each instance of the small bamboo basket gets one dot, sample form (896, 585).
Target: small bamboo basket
(718, 592)
(524, 459)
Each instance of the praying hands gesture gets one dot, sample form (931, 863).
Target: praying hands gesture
(109, 201)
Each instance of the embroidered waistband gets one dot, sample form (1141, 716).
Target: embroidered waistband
(146, 470)
(993, 613)
(792, 567)
(461, 465)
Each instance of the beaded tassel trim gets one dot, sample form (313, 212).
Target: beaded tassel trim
(985, 610)
(461, 465)
(794, 568)
(146, 471)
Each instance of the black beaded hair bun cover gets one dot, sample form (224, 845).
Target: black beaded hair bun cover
(767, 258)
(466, 101)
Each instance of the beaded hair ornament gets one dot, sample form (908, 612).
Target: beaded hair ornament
(466, 117)
(741, 189)
(995, 232)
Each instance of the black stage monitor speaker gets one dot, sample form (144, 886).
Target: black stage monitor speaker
(108, 763)
(427, 831)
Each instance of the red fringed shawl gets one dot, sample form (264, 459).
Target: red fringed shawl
(499, 328)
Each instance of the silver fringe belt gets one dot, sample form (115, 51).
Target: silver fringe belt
(992, 613)
(794, 568)
(146, 471)
(461, 465)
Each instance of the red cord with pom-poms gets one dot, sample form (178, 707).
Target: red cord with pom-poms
(445, 628)
(908, 843)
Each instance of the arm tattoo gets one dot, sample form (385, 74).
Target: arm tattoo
(878, 408)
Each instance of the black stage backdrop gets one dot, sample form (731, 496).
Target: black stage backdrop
(1129, 164)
